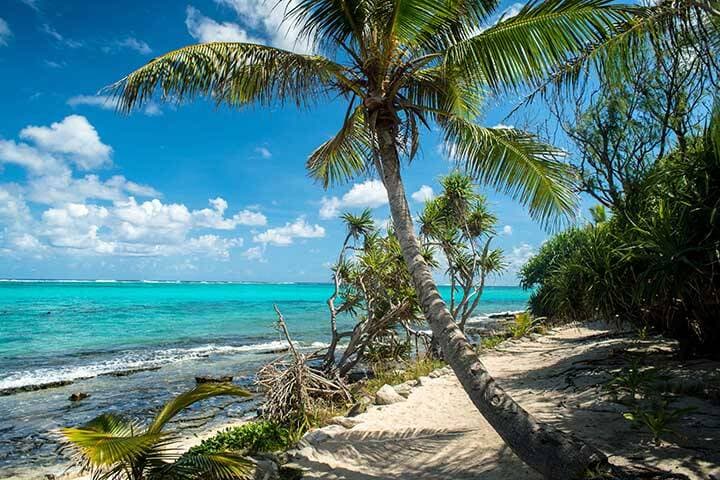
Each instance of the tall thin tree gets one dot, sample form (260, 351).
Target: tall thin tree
(402, 65)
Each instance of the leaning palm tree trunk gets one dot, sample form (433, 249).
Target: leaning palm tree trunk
(554, 454)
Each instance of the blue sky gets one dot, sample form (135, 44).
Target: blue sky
(190, 192)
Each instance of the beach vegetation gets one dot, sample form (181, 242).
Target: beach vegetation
(653, 264)
(111, 446)
(374, 287)
(459, 224)
(489, 342)
(397, 374)
(258, 436)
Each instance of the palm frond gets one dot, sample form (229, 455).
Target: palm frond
(329, 23)
(442, 89)
(216, 466)
(526, 48)
(516, 163)
(235, 74)
(346, 155)
(107, 440)
(201, 392)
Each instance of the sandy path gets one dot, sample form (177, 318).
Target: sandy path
(438, 434)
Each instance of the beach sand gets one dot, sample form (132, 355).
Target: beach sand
(437, 433)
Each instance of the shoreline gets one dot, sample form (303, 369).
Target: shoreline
(559, 377)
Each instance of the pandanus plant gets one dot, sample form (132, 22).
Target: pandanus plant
(113, 447)
(401, 66)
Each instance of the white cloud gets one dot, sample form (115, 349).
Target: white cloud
(49, 30)
(263, 152)
(330, 207)
(205, 29)
(100, 101)
(152, 109)
(502, 126)
(283, 236)
(424, 194)
(32, 4)
(215, 217)
(75, 137)
(507, 230)
(519, 256)
(105, 102)
(5, 32)
(253, 253)
(30, 158)
(268, 17)
(369, 194)
(134, 44)
(63, 188)
(512, 10)
(75, 223)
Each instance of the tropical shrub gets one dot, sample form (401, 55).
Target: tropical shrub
(655, 262)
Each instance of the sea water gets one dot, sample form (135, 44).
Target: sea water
(132, 345)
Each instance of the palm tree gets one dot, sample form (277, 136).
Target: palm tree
(402, 65)
(112, 447)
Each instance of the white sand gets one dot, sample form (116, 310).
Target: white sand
(438, 434)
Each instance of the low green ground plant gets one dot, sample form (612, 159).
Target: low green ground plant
(259, 436)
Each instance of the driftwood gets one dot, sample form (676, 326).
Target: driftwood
(292, 386)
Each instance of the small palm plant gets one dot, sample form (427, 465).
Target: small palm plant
(113, 447)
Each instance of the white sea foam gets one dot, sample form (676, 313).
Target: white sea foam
(133, 361)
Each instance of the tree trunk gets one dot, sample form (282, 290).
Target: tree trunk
(552, 453)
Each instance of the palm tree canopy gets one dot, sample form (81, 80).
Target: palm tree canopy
(410, 63)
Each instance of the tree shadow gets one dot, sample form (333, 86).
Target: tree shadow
(571, 393)
(422, 454)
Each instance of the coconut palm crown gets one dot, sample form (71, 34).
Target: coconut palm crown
(401, 66)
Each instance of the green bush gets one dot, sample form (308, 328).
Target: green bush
(653, 263)
(250, 438)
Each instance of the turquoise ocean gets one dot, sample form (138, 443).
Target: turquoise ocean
(131, 345)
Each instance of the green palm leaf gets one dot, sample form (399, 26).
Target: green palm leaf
(517, 163)
(526, 48)
(346, 155)
(201, 392)
(236, 74)
(217, 466)
(109, 439)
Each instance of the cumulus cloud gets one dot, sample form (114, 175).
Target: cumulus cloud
(133, 43)
(74, 137)
(30, 158)
(205, 29)
(519, 255)
(502, 126)
(284, 236)
(89, 215)
(507, 230)
(5, 32)
(368, 194)
(425, 193)
(266, 18)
